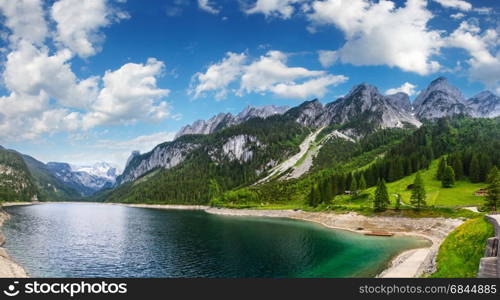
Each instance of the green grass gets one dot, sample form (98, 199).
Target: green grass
(461, 251)
(462, 194)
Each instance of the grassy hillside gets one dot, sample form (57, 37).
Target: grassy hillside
(460, 253)
(461, 194)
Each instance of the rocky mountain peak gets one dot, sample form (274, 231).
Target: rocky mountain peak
(223, 120)
(485, 105)
(401, 100)
(440, 99)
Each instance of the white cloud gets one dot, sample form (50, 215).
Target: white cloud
(457, 16)
(327, 58)
(79, 22)
(129, 94)
(30, 70)
(457, 4)
(316, 87)
(218, 76)
(382, 34)
(25, 19)
(483, 47)
(261, 75)
(268, 73)
(407, 88)
(274, 8)
(207, 6)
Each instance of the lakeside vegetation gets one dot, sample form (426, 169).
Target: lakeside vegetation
(461, 251)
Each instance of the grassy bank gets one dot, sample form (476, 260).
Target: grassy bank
(460, 253)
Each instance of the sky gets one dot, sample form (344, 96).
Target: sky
(90, 81)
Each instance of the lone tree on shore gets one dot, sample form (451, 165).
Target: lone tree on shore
(493, 196)
(418, 193)
(448, 179)
(381, 199)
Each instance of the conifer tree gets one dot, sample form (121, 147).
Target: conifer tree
(354, 186)
(362, 183)
(448, 179)
(441, 167)
(493, 196)
(418, 192)
(457, 166)
(474, 170)
(381, 199)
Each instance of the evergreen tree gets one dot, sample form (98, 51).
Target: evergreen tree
(354, 186)
(313, 196)
(493, 196)
(474, 170)
(485, 166)
(441, 167)
(418, 192)
(448, 179)
(214, 189)
(362, 183)
(457, 166)
(381, 199)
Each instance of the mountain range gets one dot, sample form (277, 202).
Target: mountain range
(362, 111)
(257, 145)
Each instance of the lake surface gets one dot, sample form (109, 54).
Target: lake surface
(94, 240)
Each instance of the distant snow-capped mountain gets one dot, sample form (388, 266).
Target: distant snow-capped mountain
(85, 179)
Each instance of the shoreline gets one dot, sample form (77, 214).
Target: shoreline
(407, 264)
(8, 267)
(410, 263)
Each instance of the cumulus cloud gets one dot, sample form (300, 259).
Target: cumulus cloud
(30, 70)
(407, 88)
(316, 87)
(382, 34)
(327, 58)
(218, 76)
(79, 22)
(268, 73)
(275, 8)
(483, 47)
(270, 69)
(457, 4)
(44, 95)
(207, 6)
(129, 94)
(25, 19)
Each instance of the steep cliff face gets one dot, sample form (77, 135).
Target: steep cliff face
(400, 100)
(224, 120)
(366, 109)
(440, 99)
(485, 105)
(240, 147)
(166, 156)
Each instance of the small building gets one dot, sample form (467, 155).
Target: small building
(481, 192)
(347, 192)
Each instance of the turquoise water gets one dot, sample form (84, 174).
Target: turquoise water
(93, 240)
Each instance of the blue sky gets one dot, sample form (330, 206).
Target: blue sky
(92, 81)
